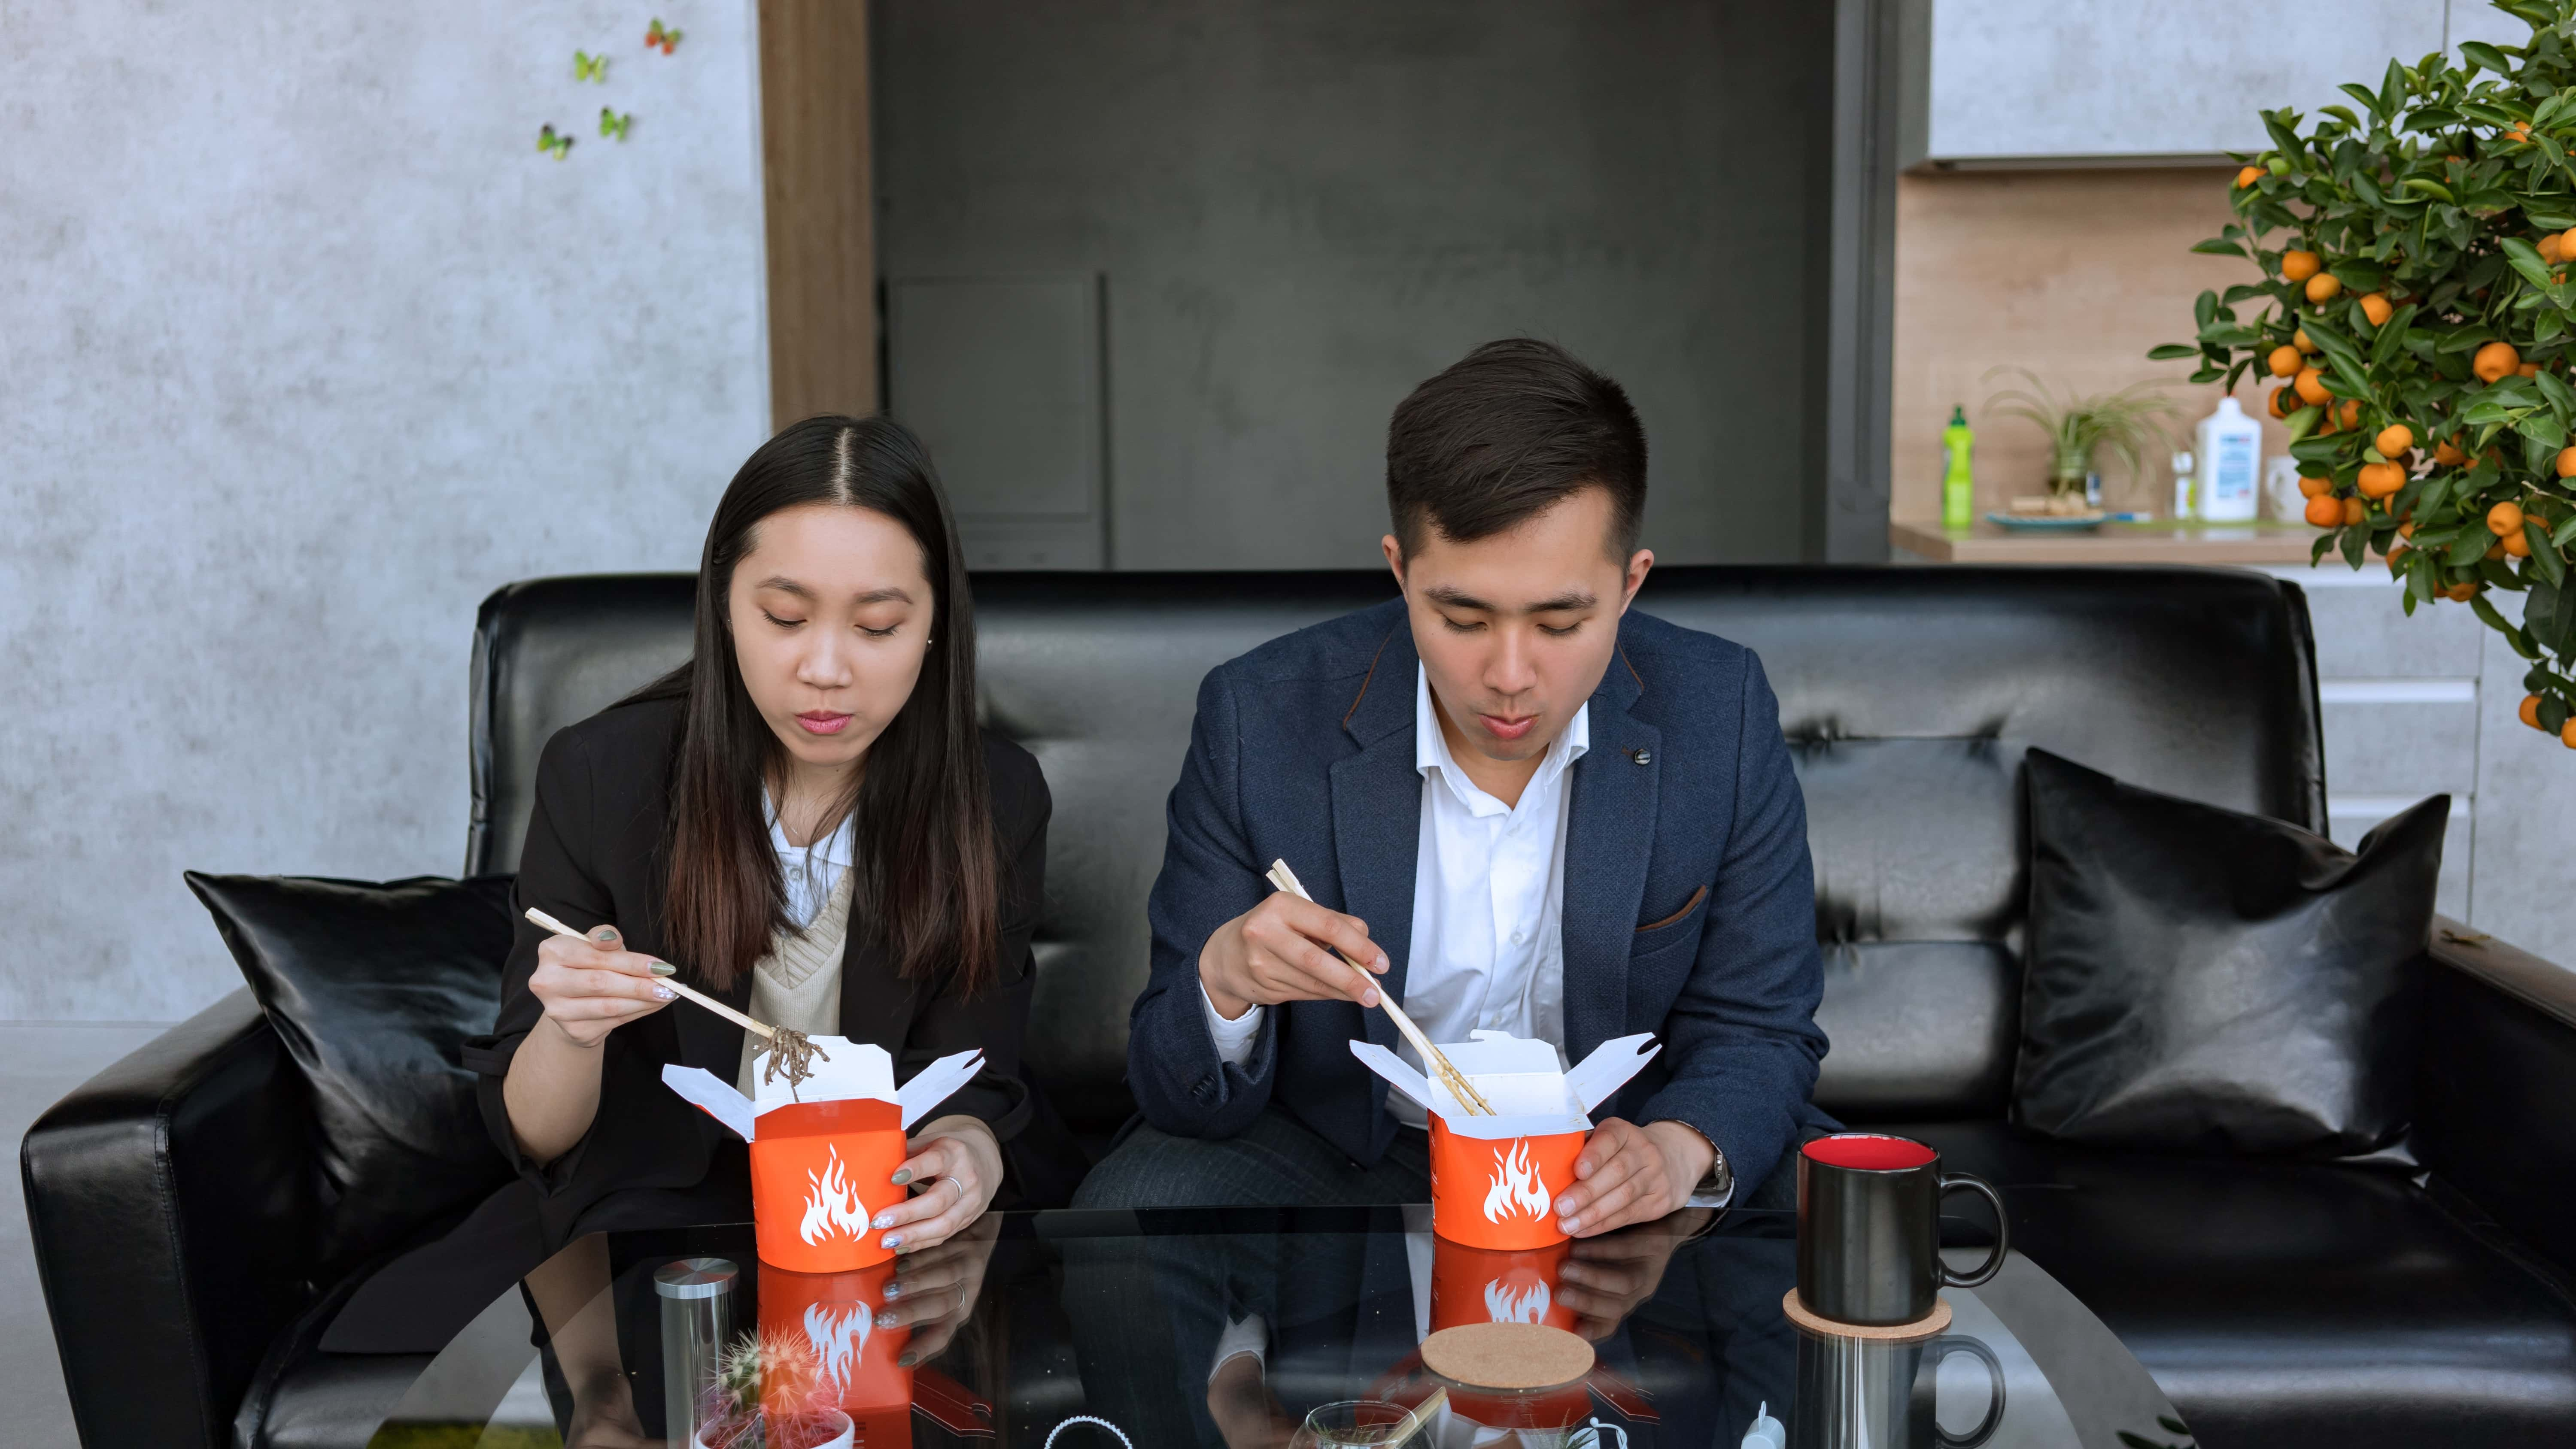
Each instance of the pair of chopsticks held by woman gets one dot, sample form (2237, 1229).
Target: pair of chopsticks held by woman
(1519, 804)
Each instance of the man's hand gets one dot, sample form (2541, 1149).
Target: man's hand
(1631, 1174)
(1281, 950)
(1603, 1279)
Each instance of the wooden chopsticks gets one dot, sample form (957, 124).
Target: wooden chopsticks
(767, 1033)
(1450, 1077)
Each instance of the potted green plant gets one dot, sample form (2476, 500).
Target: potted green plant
(2078, 426)
(2417, 311)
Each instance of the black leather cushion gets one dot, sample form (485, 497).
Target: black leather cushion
(2200, 978)
(2288, 1303)
(373, 987)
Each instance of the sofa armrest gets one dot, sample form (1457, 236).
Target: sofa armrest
(170, 1199)
(2497, 1074)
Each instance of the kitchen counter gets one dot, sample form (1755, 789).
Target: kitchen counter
(2163, 541)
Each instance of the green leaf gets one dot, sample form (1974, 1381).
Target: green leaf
(2553, 713)
(2204, 309)
(2544, 559)
(2318, 549)
(2487, 615)
(2526, 260)
(2562, 400)
(2469, 548)
(2566, 533)
(2429, 187)
(2544, 429)
(2478, 53)
(2217, 248)
(2301, 423)
(2356, 540)
(2170, 351)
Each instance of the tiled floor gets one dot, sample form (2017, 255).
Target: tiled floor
(39, 1062)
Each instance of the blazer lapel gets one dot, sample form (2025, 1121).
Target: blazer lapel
(877, 1004)
(1608, 841)
(1377, 819)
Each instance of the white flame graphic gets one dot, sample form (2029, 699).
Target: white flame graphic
(838, 1337)
(833, 1207)
(1526, 1304)
(1516, 1186)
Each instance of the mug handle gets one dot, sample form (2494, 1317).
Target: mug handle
(1942, 1348)
(2003, 1231)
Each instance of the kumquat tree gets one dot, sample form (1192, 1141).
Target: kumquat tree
(2418, 312)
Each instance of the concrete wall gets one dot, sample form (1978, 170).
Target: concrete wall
(1300, 211)
(303, 349)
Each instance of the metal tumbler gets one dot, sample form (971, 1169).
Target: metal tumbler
(697, 1322)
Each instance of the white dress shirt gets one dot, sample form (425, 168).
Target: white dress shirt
(810, 870)
(1488, 942)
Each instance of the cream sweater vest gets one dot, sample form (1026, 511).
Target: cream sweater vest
(798, 984)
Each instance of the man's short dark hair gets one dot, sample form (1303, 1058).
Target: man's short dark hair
(1504, 434)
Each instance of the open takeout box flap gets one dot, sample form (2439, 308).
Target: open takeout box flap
(1519, 1077)
(851, 1071)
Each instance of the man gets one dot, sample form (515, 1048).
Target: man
(1522, 805)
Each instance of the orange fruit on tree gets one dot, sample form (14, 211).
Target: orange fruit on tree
(2517, 544)
(2504, 518)
(2397, 557)
(2378, 480)
(2494, 361)
(2248, 176)
(2284, 361)
(2325, 512)
(2350, 412)
(2301, 341)
(2376, 307)
(2548, 246)
(2564, 238)
(2298, 266)
(2567, 733)
(2311, 385)
(2529, 369)
(2282, 397)
(2354, 510)
(2322, 287)
(2460, 593)
(2394, 439)
(2495, 552)
(2519, 133)
(2530, 711)
(2450, 457)
(2315, 487)
(2406, 529)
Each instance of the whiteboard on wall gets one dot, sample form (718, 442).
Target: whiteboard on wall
(2048, 83)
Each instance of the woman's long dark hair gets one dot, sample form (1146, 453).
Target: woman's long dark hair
(925, 878)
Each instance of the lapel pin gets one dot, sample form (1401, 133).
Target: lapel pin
(1642, 757)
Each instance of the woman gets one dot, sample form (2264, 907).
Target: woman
(805, 821)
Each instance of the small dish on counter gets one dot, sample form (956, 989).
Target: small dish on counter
(2049, 522)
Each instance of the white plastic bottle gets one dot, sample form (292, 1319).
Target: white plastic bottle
(2229, 487)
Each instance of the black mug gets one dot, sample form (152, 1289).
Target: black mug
(1869, 1231)
(1862, 1393)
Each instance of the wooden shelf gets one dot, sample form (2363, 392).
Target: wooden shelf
(2113, 543)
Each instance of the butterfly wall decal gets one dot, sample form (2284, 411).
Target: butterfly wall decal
(589, 67)
(547, 140)
(661, 38)
(613, 124)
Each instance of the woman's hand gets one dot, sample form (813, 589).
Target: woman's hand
(954, 1170)
(592, 987)
(934, 1290)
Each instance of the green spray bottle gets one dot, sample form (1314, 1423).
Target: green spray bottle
(1958, 483)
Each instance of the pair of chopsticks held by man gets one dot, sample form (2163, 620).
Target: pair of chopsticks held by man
(1516, 801)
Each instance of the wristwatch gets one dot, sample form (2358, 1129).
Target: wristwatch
(1713, 1187)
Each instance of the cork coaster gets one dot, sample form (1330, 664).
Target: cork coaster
(1507, 1355)
(1924, 1327)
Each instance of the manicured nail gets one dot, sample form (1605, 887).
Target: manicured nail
(885, 1220)
(663, 993)
(907, 1359)
(893, 1291)
(663, 968)
(902, 1175)
(604, 934)
(889, 1319)
(892, 1241)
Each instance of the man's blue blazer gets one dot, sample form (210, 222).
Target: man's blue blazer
(1689, 897)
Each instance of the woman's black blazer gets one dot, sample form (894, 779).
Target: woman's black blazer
(593, 856)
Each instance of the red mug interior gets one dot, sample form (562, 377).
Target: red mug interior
(1869, 1152)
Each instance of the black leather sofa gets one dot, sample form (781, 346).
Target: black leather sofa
(2278, 1303)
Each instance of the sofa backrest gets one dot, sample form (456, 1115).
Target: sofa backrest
(1907, 694)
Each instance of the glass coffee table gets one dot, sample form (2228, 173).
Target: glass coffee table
(1231, 1327)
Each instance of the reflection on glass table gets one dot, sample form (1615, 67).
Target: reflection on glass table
(1275, 1328)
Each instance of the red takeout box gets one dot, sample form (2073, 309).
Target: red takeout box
(824, 1153)
(1495, 1178)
